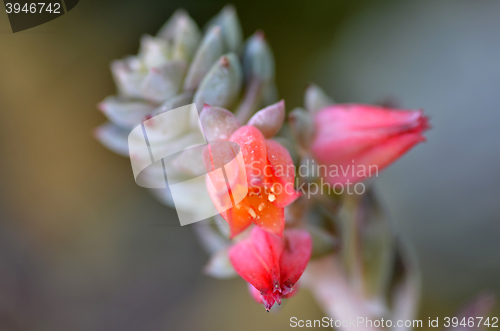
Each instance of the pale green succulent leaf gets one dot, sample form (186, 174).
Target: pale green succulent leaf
(222, 84)
(163, 82)
(219, 265)
(182, 32)
(228, 21)
(176, 101)
(184, 163)
(270, 119)
(302, 127)
(316, 99)
(218, 123)
(125, 112)
(258, 59)
(210, 50)
(154, 52)
(129, 74)
(113, 137)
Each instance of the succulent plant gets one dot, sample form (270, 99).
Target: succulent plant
(357, 264)
(179, 66)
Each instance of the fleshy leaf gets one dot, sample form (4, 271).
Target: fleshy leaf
(218, 123)
(222, 84)
(228, 21)
(154, 52)
(183, 33)
(270, 119)
(129, 75)
(163, 82)
(302, 125)
(113, 137)
(184, 163)
(211, 49)
(316, 99)
(176, 101)
(219, 265)
(258, 59)
(125, 112)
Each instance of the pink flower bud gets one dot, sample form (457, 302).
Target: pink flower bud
(272, 265)
(357, 141)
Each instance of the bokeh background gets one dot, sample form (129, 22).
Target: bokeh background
(83, 248)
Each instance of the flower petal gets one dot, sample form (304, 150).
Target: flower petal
(360, 139)
(271, 218)
(296, 255)
(256, 259)
(255, 293)
(253, 149)
(238, 218)
(283, 174)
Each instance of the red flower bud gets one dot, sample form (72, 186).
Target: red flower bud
(272, 265)
(356, 141)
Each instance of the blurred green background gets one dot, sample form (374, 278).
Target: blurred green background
(82, 247)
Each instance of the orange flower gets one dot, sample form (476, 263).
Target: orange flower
(270, 177)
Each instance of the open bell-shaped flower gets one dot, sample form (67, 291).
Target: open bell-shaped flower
(271, 264)
(269, 169)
